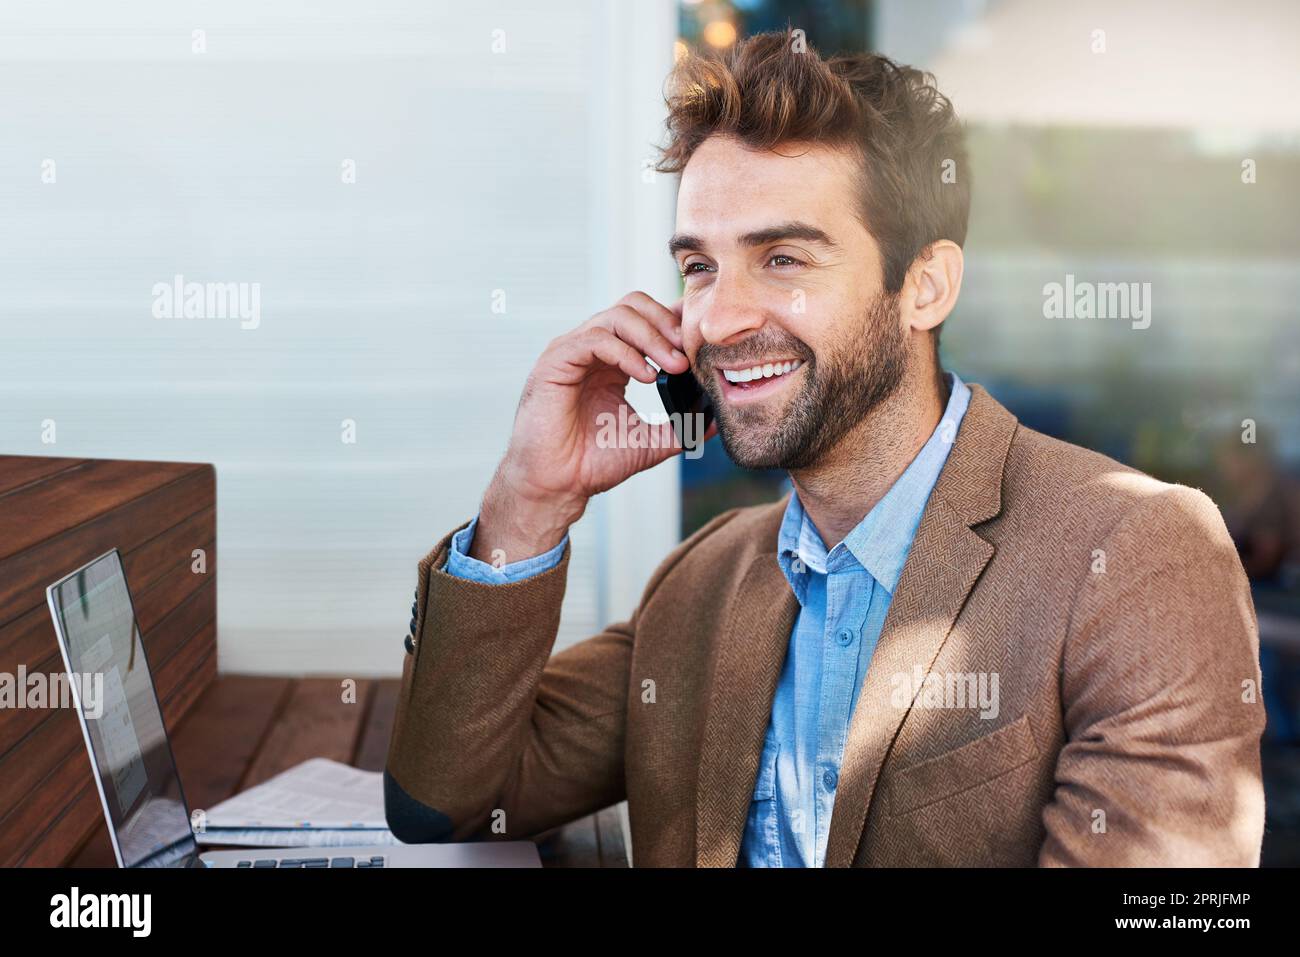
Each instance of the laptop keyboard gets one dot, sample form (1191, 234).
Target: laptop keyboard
(376, 861)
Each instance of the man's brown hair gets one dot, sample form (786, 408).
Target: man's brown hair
(770, 89)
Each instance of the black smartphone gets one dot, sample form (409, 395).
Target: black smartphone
(682, 396)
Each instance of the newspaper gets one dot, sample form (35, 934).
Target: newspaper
(319, 803)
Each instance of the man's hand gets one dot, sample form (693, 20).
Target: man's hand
(553, 464)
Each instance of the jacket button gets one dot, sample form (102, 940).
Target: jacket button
(410, 648)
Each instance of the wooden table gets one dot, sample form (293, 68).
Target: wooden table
(244, 730)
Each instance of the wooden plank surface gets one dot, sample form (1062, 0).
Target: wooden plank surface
(372, 749)
(316, 722)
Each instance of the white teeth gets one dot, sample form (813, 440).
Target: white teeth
(765, 371)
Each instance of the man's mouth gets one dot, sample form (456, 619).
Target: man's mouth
(750, 383)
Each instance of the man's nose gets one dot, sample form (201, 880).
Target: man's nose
(732, 311)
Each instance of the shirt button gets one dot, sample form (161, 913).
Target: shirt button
(830, 779)
(845, 638)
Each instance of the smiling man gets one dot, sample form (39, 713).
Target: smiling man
(958, 642)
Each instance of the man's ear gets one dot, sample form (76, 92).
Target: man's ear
(932, 285)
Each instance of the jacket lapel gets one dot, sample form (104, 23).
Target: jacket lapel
(945, 560)
(747, 666)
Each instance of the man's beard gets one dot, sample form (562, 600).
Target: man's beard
(838, 392)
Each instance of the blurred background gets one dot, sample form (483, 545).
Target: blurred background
(428, 192)
(1110, 141)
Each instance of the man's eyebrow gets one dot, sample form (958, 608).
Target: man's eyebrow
(759, 237)
(791, 230)
(684, 241)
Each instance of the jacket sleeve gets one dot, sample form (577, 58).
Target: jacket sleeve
(462, 565)
(1161, 696)
(494, 737)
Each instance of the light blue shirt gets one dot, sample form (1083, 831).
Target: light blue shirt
(461, 565)
(844, 595)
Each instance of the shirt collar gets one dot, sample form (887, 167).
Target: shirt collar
(881, 541)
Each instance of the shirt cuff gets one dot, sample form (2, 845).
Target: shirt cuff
(461, 565)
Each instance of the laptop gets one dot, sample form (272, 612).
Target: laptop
(131, 756)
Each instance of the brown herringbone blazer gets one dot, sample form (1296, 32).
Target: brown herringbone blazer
(1112, 607)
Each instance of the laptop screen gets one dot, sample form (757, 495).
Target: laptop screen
(121, 717)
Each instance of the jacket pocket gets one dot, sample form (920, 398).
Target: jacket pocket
(962, 768)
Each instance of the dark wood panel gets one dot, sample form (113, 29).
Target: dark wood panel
(43, 772)
(26, 574)
(190, 688)
(29, 639)
(54, 734)
(56, 514)
(194, 608)
(97, 851)
(171, 675)
(171, 553)
(170, 616)
(68, 829)
(19, 470)
(84, 812)
(27, 643)
(26, 782)
(42, 510)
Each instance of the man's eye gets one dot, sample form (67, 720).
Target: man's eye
(689, 269)
(789, 260)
